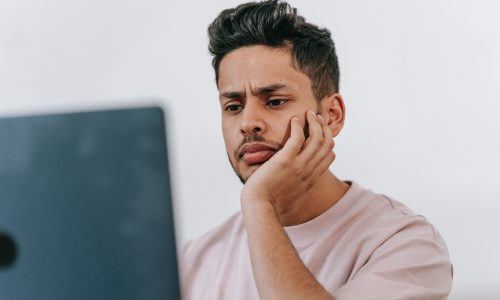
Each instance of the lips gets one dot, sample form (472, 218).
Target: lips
(256, 153)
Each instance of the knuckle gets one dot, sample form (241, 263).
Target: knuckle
(284, 162)
(318, 140)
(303, 177)
(331, 155)
(315, 147)
(309, 186)
(301, 138)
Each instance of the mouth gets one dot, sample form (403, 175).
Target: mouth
(256, 153)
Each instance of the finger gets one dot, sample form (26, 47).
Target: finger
(325, 148)
(328, 143)
(327, 133)
(315, 139)
(319, 167)
(324, 125)
(324, 164)
(323, 153)
(296, 140)
(325, 130)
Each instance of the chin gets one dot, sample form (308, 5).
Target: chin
(248, 172)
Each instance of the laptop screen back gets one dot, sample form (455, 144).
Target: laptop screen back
(85, 207)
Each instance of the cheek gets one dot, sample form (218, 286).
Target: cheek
(283, 131)
(286, 129)
(231, 140)
(227, 130)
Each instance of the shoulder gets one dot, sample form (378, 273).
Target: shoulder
(397, 250)
(214, 241)
(380, 227)
(202, 259)
(381, 215)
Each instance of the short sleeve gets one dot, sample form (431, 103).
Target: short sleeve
(413, 263)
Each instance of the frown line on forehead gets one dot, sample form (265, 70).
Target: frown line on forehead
(259, 91)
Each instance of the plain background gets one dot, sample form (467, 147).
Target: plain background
(420, 80)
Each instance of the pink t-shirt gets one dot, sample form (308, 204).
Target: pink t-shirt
(366, 246)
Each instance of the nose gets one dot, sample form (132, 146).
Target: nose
(252, 118)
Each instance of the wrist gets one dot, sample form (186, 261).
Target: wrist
(255, 204)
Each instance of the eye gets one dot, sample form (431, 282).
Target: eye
(276, 102)
(234, 107)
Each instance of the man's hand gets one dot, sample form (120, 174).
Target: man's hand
(274, 187)
(294, 169)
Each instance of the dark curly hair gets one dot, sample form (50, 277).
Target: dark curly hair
(276, 24)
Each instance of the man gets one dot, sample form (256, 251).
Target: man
(302, 233)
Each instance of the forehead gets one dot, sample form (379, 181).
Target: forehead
(256, 66)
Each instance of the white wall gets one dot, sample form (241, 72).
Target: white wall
(420, 79)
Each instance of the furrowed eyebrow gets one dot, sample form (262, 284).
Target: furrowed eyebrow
(232, 95)
(270, 89)
(265, 90)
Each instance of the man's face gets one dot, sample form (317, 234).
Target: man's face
(260, 91)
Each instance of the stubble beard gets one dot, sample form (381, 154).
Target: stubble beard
(249, 138)
(236, 171)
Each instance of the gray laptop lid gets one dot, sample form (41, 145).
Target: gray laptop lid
(85, 207)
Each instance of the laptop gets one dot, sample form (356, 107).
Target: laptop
(86, 208)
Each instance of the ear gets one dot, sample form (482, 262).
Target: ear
(333, 110)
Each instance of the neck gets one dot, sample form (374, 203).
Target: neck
(318, 199)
